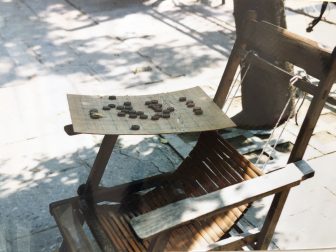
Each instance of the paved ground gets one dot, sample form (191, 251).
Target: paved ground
(53, 47)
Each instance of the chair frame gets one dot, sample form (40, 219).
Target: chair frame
(70, 218)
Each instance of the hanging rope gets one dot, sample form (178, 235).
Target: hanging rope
(292, 81)
(319, 18)
(248, 68)
(243, 61)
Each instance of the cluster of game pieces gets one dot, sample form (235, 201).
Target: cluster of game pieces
(160, 112)
(191, 104)
(127, 110)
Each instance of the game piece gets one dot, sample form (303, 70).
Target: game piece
(166, 116)
(93, 111)
(143, 116)
(112, 105)
(121, 114)
(112, 97)
(120, 107)
(190, 105)
(127, 103)
(139, 112)
(182, 99)
(95, 115)
(198, 112)
(171, 109)
(106, 108)
(155, 117)
(135, 127)
(132, 116)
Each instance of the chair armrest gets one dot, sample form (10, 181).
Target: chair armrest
(69, 222)
(180, 212)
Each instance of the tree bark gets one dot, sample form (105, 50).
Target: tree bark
(263, 96)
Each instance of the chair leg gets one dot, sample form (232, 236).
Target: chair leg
(101, 161)
(271, 220)
(63, 247)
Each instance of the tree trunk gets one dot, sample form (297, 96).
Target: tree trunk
(263, 96)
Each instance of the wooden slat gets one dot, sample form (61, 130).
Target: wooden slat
(183, 211)
(287, 46)
(68, 221)
(233, 242)
(102, 158)
(314, 112)
(279, 73)
(228, 75)
(120, 192)
(232, 65)
(271, 220)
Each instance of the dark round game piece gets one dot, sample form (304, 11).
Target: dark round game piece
(132, 116)
(143, 116)
(197, 108)
(93, 111)
(121, 114)
(120, 107)
(112, 97)
(112, 105)
(155, 117)
(135, 127)
(139, 112)
(95, 116)
(198, 112)
(156, 109)
(147, 102)
(191, 105)
(189, 101)
(171, 109)
(166, 116)
(159, 105)
(165, 111)
(182, 99)
(106, 108)
(127, 103)
(154, 101)
(128, 107)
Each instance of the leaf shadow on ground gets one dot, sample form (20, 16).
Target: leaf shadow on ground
(64, 48)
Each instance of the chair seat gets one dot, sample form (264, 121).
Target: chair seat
(195, 235)
(193, 178)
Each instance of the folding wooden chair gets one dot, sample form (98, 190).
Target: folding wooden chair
(196, 207)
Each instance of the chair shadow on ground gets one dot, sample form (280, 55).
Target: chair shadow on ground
(25, 219)
(25, 195)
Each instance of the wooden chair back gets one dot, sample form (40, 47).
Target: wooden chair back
(284, 46)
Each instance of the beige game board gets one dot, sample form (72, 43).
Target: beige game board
(182, 119)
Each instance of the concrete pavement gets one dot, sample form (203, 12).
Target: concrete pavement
(54, 47)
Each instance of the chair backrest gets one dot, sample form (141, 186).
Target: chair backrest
(284, 46)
